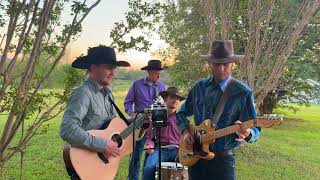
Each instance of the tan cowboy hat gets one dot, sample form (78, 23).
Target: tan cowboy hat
(172, 91)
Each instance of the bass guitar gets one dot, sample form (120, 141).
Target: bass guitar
(205, 134)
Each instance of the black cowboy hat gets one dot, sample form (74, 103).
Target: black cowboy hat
(222, 52)
(172, 91)
(154, 65)
(98, 55)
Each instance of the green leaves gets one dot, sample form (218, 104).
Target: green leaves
(38, 39)
(140, 20)
(73, 77)
(78, 6)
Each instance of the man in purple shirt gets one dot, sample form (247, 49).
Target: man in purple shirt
(170, 136)
(141, 94)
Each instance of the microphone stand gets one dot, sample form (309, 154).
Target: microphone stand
(159, 120)
(133, 148)
(159, 151)
(158, 127)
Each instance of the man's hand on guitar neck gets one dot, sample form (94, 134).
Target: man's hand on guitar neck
(242, 134)
(112, 149)
(188, 138)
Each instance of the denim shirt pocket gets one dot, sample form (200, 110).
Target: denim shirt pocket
(199, 108)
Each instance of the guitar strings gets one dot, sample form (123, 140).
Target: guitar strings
(124, 134)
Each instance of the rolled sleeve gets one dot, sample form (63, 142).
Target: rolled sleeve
(255, 134)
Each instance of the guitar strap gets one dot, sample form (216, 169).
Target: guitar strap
(118, 111)
(220, 107)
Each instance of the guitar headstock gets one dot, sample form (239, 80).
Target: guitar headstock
(157, 103)
(269, 120)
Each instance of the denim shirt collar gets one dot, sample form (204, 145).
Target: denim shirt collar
(223, 84)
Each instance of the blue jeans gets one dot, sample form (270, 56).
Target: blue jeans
(167, 155)
(220, 168)
(134, 168)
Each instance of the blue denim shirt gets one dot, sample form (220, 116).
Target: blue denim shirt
(202, 101)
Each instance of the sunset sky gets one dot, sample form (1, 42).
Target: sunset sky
(96, 30)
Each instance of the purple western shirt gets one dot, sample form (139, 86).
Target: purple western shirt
(169, 134)
(141, 95)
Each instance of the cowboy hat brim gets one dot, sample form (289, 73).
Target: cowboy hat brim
(123, 64)
(154, 68)
(80, 63)
(230, 59)
(166, 93)
(84, 63)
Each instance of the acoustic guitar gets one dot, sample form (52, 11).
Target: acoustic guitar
(93, 165)
(205, 134)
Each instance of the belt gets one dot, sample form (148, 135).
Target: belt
(224, 153)
(167, 145)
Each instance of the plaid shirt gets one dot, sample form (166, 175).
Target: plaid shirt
(203, 100)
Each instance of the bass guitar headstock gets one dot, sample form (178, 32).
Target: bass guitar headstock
(269, 120)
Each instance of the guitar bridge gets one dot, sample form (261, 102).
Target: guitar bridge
(103, 157)
(197, 146)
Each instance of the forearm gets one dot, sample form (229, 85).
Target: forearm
(77, 137)
(128, 107)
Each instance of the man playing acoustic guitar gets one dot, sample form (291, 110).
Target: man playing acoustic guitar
(89, 107)
(202, 102)
(170, 135)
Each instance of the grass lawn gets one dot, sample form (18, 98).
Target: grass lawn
(288, 151)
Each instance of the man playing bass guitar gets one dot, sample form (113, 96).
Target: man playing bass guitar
(202, 102)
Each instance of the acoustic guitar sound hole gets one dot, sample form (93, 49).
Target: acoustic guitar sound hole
(116, 138)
